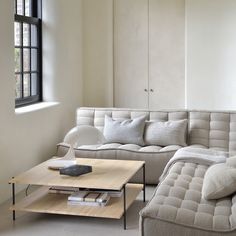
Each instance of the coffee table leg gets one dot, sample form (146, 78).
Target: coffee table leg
(144, 184)
(124, 189)
(13, 201)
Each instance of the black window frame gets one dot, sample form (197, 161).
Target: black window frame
(34, 19)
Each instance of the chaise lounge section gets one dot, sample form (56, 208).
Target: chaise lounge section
(177, 206)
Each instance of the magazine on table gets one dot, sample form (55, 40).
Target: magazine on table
(88, 198)
(71, 190)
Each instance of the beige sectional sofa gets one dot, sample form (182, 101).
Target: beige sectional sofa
(205, 129)
(155, 157)
(177, 207)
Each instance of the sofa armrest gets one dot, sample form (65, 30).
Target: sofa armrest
(83, 135)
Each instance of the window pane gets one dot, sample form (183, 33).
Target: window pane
(17, 33)
(17, 60)
(26, 58)
(34, 36)
(28, 8)
(34, 84)
(34, 60)
(26, 85)
(18, 86)
(26, 35)
(20, 6)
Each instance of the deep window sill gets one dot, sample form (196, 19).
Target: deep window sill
(35, 107)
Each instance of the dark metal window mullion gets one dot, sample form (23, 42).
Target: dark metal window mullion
(35, 19)
(33, 71)
(15, 6)
(39, 60)
(38, 63)
(23, 6)
(22, 62)
(30, 60)
(33, 47)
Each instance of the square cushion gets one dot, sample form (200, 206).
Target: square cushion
(219, 181)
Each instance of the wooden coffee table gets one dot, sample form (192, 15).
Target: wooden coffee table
(106, 174)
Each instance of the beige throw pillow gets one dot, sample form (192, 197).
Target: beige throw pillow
(231, 161)
(219, 181)
(166, 133)
(125, 132)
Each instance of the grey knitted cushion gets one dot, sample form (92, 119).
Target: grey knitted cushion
(166, 133)
(125, 132)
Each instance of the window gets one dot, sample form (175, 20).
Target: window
(28, 52)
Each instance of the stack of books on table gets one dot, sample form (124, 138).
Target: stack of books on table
(88, 198)
(62, 190)
(71, 190)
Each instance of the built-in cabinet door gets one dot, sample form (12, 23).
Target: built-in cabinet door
(166, 54)
(131, 53)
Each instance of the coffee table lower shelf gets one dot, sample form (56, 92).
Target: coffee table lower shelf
(41, 201)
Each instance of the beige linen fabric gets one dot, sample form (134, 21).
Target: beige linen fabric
(179, 203)
(155, 157)
(166, 133)
(219, 181)
(231, 162)
(129, 131)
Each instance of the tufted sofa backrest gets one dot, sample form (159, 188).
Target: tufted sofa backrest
(96, 116)
(212, 129)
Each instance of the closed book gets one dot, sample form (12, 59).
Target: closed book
(78, 196)
(91, 197)
(105, 200)
(77, 203)
(62, 190)
(102, 197)
(83, 203)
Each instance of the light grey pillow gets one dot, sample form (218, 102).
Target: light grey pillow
(219, 181)
(125, 132)
(166, 133)
(231, 162)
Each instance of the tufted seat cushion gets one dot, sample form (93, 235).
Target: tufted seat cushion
(130, 147)
(178, 200)
(155, 157)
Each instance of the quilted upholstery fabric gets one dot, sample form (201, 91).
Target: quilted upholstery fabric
(215, 130)
(96, 116)
(130, 147)
(178, 200)
(155, 157)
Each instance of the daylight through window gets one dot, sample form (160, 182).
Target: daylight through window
(28, 56)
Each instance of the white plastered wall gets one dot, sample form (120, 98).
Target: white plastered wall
(98, 52)
(209, 59)
(211, 54)
(29, 138)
